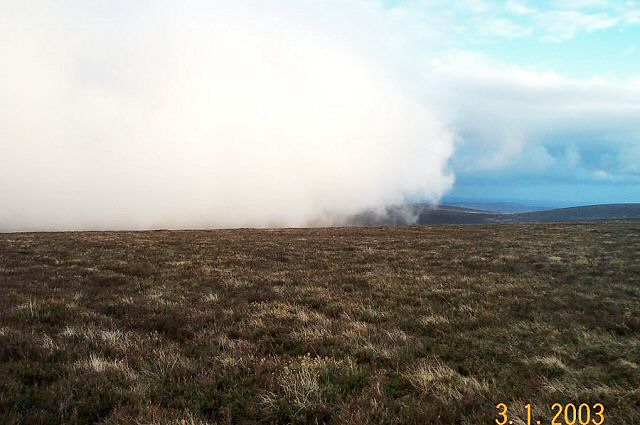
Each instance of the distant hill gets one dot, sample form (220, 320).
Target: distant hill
(447, 214)
(590, 212)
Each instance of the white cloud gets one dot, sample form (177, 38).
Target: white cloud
(472, 21)
(564, 19)
(579, 4)
(519, 8)
(572, 156)
(500, 27)
(205, 114)
(565, 25)
(632, 17)
(631, 50)
(501, 113)
(601, 175)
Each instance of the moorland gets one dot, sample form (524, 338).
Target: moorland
(421, 324)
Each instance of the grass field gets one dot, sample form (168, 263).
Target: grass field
(431, 325)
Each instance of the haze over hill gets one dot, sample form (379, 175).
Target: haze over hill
(512, 205)
(447, 214)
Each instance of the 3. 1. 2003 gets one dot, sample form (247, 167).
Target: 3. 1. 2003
(563, 414)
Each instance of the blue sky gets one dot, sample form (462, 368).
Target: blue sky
(576, 38)
(584, 50)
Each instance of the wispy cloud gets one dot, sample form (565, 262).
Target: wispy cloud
(559, 25)
(557, 21)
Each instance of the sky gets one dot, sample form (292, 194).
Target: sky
(157, 114)
(546, 97)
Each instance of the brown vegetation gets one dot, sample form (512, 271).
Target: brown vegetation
(360, 325)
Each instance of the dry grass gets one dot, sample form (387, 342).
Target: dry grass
(376, 325)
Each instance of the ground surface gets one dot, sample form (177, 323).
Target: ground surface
(404, 325)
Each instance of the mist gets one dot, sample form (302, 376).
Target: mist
(139, 115)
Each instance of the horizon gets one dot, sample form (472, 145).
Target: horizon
(387, 217)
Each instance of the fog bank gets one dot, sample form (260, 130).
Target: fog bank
(136, 115)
